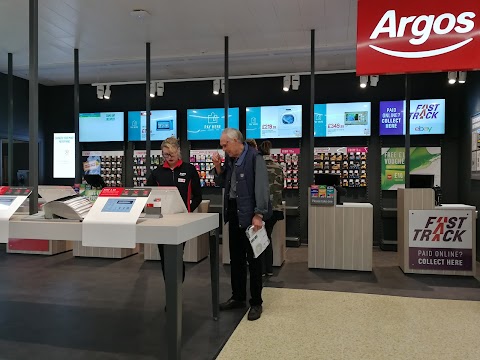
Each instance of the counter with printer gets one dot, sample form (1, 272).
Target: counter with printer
(340, 235)
(432, 238)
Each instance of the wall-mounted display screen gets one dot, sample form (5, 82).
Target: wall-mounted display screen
(274, 122)
(427, 117)
(101, 127)
(63, 155)
(163, 124)
(208, 124)
(342, 119)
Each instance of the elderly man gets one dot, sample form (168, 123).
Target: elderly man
(246, 202)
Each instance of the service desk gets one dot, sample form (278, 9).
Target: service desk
(340, 236)
(437, 240)
(171, 230)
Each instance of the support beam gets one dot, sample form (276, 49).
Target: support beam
(148, 145)
(407, 130)
(76, 115)
(227, 82)
(10, 119)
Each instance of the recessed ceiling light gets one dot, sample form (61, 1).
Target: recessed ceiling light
(140, 14)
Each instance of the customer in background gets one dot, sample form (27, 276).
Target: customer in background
(184, 176)
(252, 143)
(246, 202)
(275, 179)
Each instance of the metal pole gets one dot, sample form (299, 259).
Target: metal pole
(148, 144)
(33, 106)
(76, 115)
(311, 138)
(227, 85)
(10, 119)
(407, 131)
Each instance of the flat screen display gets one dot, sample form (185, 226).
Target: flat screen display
(342, 119)
(118, 205)
(270, 122)
(101, 127)
(208, 124)
(63, 155)
(163, 124)
(427, 117)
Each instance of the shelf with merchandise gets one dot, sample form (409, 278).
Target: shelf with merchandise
(351, 166)
(202, 160)
(290, 163)
(140, 168)
(108, 164)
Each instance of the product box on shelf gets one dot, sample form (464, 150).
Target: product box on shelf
(289, 160)
(108, 164)
(202, 160)
(348, 162)
(140, 168)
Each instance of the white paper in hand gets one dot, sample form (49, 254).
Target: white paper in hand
(258, 240)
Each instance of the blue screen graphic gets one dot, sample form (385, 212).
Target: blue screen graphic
(208, 124)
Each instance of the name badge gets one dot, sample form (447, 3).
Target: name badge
(181, 180)
(242, 175)
(182, 174)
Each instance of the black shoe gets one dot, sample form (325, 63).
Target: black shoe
(231, 304)
(255, 312)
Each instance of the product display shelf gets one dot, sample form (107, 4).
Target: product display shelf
(140, 168)
(349, 163)
(289, 160)
(109, 164)
(202, 160)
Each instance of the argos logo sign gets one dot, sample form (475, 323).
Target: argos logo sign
(402, 36)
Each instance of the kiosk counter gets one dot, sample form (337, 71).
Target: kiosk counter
(437, 240)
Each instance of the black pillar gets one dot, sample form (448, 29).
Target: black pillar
(407, 131)
(148, 108)
(33, 106)
(227, 83)
(76, 115)
(10, 119)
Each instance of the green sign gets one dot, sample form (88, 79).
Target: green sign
(423, 160)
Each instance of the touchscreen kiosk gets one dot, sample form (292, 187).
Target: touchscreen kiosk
(118, 205)
(168, 198)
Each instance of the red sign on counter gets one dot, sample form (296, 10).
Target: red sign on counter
(111, 192)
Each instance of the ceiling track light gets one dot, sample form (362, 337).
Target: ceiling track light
(160, 88)
(287, 82)
(452, 77)
(152, 89)
(216, 86)
(107, 93)
(462, 77)
(363, 81)
(295, 82)
(100, 92)
(374, 80)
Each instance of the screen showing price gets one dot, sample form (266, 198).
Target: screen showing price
(342, 119)
(274, 122)
(118, 205)
(163, 124)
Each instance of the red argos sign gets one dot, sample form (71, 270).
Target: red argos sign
(403, 36)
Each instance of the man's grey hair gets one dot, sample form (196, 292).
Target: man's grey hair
(233, 134)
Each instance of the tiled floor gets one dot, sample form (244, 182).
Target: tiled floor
(317, 325)
(107, 309)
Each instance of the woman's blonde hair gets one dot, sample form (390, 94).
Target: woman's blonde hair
(172, 144)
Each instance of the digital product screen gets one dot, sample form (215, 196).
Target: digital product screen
(5, 202)
(63, 155)
(163, 124)
(208, 124)
(101, 127)
(118, 205)
(274, 122)
(342, 119)
(427, 117)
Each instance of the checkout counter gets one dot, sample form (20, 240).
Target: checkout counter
(340, 236)
(432, 238)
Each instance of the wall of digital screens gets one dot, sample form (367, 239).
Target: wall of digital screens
(347, 119)
(208, 124)
(163, 124)
(101, 127)
(427, 117)
(274, 122)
